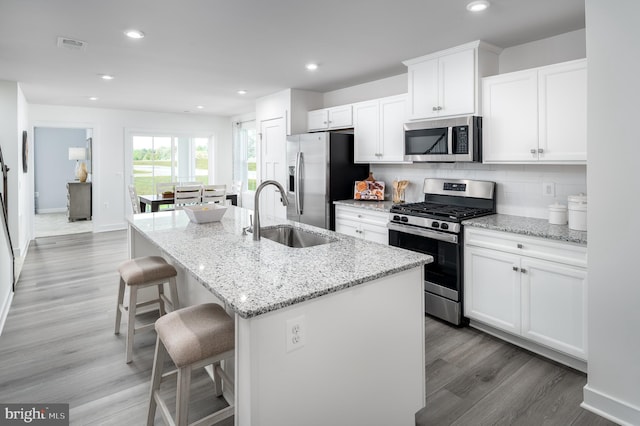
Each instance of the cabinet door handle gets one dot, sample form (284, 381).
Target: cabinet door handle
(533, 151)
(540, 150)
(519, 245)
(434, 108)
(524, 271)
(515, 268)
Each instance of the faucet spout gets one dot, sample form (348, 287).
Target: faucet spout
(256, 205)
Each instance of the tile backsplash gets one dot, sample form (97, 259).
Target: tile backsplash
(519, 187)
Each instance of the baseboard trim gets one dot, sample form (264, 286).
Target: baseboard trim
(610, 408)
(5, 311)
(56, 210)
(109, 228)
(552, 354)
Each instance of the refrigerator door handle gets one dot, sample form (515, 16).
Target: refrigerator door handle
(299, 184)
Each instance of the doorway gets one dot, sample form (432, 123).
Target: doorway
(62, 203)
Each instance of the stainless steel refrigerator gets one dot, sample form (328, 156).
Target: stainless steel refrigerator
(320, 171)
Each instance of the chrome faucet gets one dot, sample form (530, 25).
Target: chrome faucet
(256, 205)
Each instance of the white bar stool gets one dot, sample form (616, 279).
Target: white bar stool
(139, 273)
(193, 337)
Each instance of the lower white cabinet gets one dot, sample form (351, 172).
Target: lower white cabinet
(530, 287)
(362, 223)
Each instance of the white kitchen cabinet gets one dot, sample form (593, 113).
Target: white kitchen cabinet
(530, 287)
(492, 289)
(378, 130)
(362, 223)
(537, 115)
(445, 83)
(510, 116)
(340, 117)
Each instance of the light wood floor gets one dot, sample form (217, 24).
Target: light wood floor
(58, 346)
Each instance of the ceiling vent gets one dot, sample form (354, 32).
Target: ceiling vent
(70, 43)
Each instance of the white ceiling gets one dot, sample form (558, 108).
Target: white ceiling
(200, 52)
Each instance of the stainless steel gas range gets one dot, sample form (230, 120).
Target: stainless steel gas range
(434, 227)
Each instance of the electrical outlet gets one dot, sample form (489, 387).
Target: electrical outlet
(549, 189)
(295, 333)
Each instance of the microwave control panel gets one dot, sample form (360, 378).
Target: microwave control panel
(460, 139)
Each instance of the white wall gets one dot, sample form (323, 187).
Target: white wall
(561, 48)
(390, 86)
(613, 387)
(109, 128)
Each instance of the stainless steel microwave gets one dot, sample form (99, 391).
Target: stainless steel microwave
(449, 140)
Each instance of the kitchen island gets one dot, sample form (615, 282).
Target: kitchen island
(358, 306)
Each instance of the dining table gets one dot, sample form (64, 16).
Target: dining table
(155, 201)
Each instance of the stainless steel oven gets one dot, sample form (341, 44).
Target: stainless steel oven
(449, 140)
(443, 283)
(434, 227)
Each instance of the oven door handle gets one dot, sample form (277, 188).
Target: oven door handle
(441, 236)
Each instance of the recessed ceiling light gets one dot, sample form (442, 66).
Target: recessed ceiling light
(106, 77)
(200, 107)
(93, 98)
(241, 92)
(134, 34)
(311, 66)
(478, 5)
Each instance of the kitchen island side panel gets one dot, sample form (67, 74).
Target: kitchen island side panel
(362, 361)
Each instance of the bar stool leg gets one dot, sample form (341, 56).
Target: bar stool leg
(173, 290)
(161, 296)
(118, 305)
(133, 296)
(216, 378)
(156, 378)
(182, 395)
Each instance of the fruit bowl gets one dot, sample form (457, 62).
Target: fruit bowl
(205, 213)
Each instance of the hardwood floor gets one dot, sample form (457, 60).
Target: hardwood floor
(58, 346)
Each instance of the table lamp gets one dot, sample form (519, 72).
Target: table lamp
(79, 154)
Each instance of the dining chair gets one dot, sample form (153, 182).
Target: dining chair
(135, 201)
(214, 193)
(187, 194)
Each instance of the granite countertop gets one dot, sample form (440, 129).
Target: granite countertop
(528, 226)
(256, 277)
(380, 206)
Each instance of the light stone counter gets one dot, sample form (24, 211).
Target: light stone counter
(379, 206)
(254, 278)
(528, 226)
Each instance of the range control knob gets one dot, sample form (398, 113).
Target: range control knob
(444, 226)
(435, 225)
(396, 217)
(404, 219)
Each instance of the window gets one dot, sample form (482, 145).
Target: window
(164, 159)
(244, 154)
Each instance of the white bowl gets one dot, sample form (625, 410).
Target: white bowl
(205, 213)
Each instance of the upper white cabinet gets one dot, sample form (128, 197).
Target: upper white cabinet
(537, 115)
(340, 117)
(378, 130)
(446, 83)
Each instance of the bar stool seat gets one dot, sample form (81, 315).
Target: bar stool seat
(136, 274)
(193, 337)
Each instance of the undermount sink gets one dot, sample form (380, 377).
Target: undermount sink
(293, 237)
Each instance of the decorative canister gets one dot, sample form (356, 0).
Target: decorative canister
(558, 214)
(578, 212)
